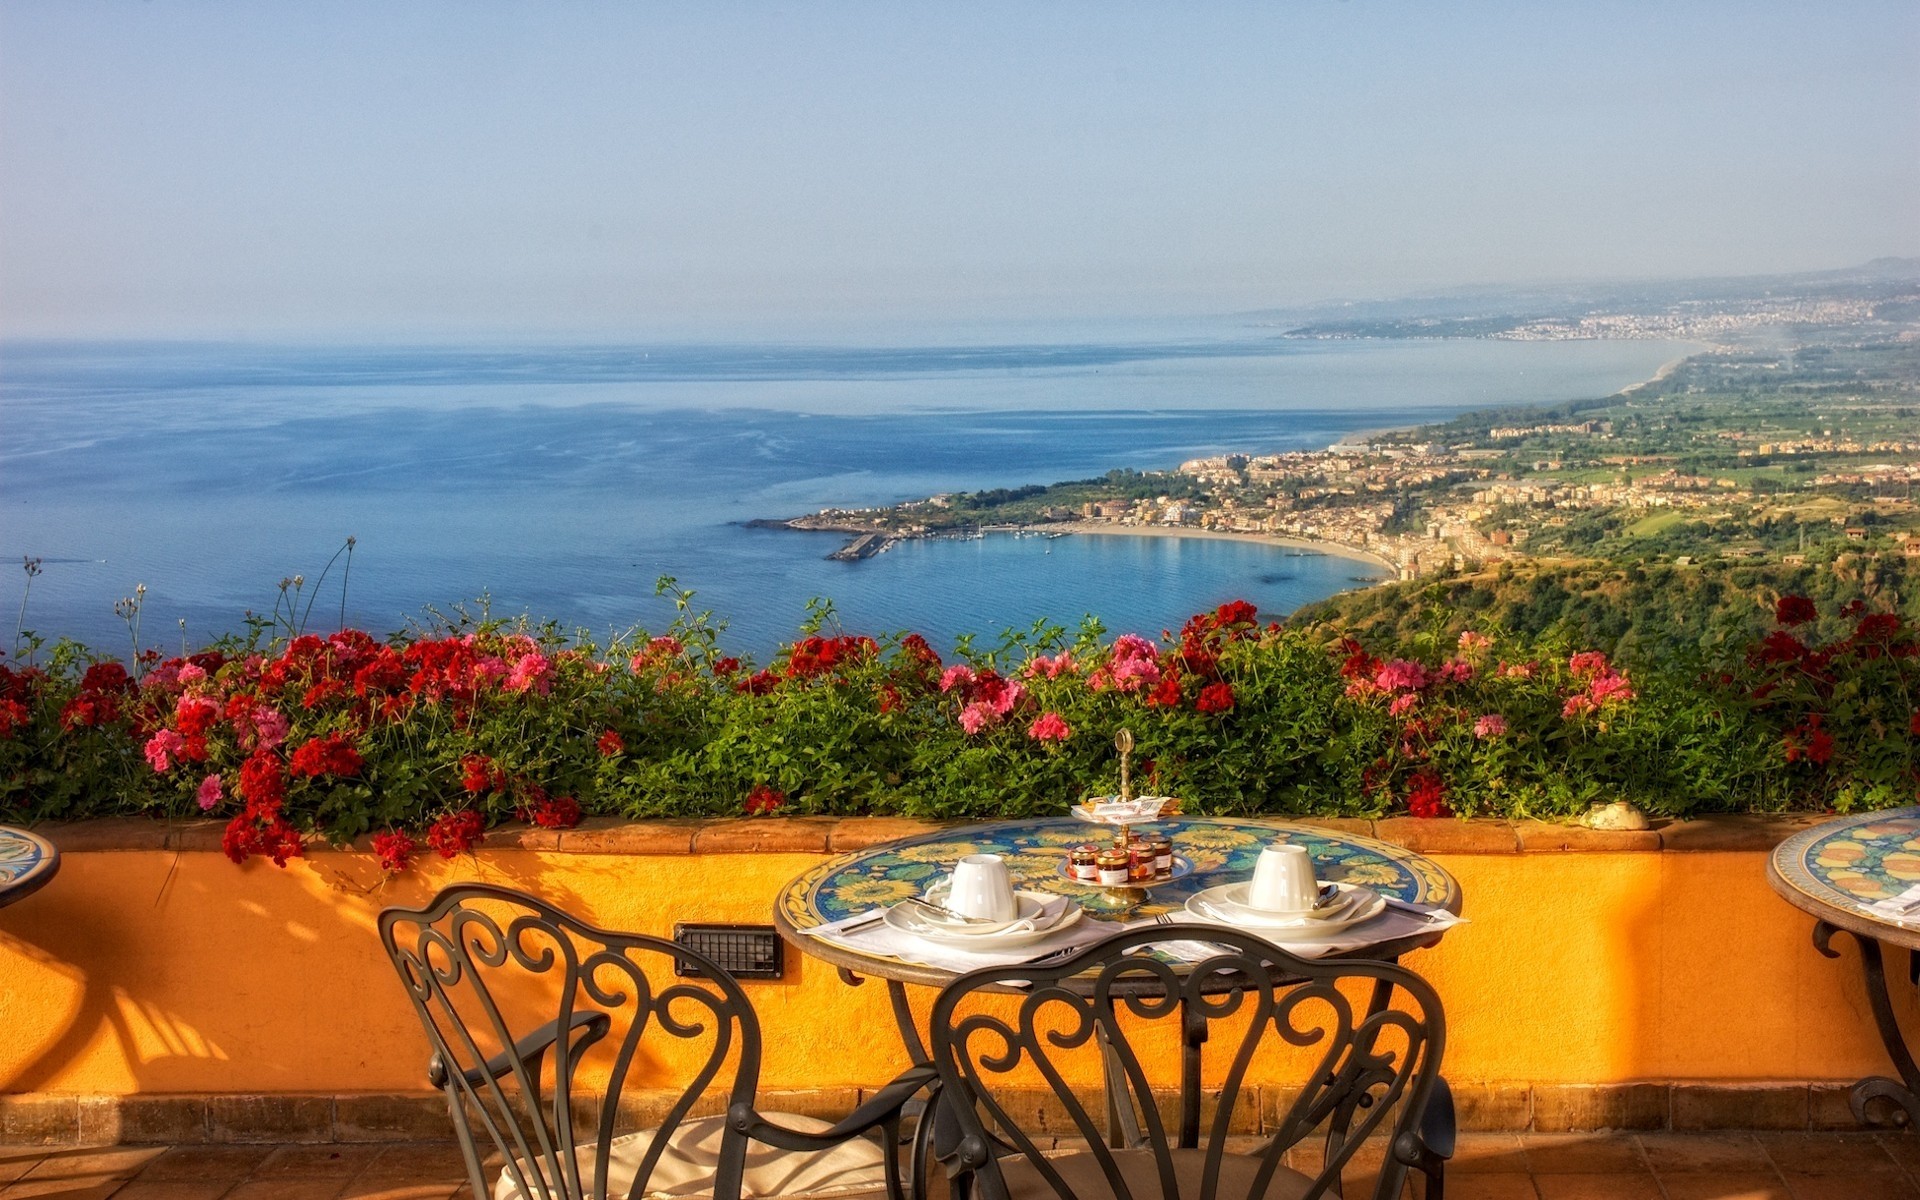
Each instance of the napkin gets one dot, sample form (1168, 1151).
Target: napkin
(1899, 909)
(877, 937)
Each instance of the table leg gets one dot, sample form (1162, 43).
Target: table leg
(1904, 1092)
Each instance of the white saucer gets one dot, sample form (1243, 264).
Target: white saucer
(1227, 905)
(922, 923)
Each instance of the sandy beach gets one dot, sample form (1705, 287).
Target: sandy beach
(1278, 541)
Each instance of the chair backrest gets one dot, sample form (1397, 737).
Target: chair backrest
(536, 1020)
(1371, 1032)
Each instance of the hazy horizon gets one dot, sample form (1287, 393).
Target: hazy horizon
(600, 172)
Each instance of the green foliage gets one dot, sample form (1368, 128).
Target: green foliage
(455, 727)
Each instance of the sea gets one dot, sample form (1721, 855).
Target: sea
(562, 482)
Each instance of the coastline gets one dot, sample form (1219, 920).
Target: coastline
(866, 541)
(1276, 540)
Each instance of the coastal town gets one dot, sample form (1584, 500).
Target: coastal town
(1730, 455)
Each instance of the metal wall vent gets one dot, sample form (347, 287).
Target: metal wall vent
(746, 951)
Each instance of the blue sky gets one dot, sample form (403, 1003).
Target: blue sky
(615, 170)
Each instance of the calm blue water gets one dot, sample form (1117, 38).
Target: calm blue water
(561, 482)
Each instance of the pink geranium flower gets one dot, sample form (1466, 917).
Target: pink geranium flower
(1049, 727)
(209, 793)
(958, 675)
(1401, 675)
(1492, 725)
(977, 716)
(533, 672)
(161, 748)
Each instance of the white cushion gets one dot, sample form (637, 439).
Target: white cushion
(687, 1165)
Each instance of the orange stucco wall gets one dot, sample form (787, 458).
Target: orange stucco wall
(162, 971)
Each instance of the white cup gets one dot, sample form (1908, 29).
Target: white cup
(1283, 880)
(982, 888)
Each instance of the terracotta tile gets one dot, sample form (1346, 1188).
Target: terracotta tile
(1610, 1186)
(1485, 1187)
(1487, 1154)
(1744, 1185)
(1732, 831)
(1563, 1108)
(93, 1187)
(361, 1189)
(780, 835)
(1685, 1153)
(229, 1163)
(1852, 1187)
(1448, 835)
(1701, 1106)
(303, 1188)
(857, 833)
(1538, 837)
(417, 1162)
(1582, 1154)
(1903, 1147)
(174, 1189)
(1829, 1154)
(16, 1161)
(1493, 1106)
(112, 1161)
(613, 835)
(316, 1162)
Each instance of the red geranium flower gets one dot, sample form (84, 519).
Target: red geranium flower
(1236, 612)
(763, 799)
(611, 743)
(395, 850)
(1427, 797)
(457, 832)
(1215, 697)
(1794, 610)
(331, 755)
(1166, 694)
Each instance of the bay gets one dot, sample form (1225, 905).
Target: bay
(562, 481)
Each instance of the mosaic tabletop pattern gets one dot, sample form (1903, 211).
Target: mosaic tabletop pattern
(26, 861)
(1853, 861)
(1221, 850)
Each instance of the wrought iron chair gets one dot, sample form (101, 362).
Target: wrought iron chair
(1375, 1062)
(539, 1021)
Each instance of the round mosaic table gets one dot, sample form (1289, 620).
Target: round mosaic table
(1222, 850)
(27, 862)
(1837, 871)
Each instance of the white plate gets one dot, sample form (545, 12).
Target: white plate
(917, 921)
(1227, 905)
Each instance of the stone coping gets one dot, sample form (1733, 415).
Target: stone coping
(1748, 832)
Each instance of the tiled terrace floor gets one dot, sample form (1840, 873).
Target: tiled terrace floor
(1489, 1166)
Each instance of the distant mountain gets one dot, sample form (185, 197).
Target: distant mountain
(1491, 306)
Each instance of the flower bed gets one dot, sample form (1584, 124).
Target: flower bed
(426, 740)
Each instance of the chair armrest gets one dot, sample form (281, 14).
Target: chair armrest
(883, 1106)
(527, 1050)
(1430, 1148)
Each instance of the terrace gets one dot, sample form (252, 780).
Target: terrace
(1630, 1011)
